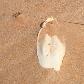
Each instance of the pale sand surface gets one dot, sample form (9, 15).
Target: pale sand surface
(19, 25)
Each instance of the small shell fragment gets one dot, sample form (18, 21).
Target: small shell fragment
(50, 49)
(48, 20)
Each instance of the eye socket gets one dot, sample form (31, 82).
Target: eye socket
(49, 44)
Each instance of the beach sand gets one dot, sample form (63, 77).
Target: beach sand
(20, 22)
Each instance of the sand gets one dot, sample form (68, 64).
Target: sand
(20, 22)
